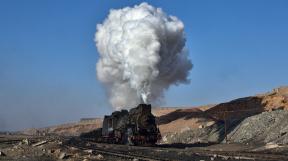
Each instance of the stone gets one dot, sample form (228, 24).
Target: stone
(99, 157)
(225, 157)
(201, 126)
(26, 142)
(63, 156)
(73, 148)
(51, 151)
(15, 146)
(39, 143)
(210, 123)
(76, 155)
(2, 154)
(90, 151)
(57, 151)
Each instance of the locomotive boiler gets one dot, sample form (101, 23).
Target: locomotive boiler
(134, 127)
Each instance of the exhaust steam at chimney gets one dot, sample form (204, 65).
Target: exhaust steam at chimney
(141, 54)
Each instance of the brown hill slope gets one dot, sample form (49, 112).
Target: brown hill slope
(70, 129)
(200, 117)
(183, 119)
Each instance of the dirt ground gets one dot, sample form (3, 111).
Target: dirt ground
(53, 148)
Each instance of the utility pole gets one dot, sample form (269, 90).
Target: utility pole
(225, 127)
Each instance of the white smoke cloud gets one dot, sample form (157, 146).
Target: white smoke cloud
(142, 53)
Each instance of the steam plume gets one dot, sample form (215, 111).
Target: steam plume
(142, 52)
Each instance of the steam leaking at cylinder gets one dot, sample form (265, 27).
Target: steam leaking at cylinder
(141, 54)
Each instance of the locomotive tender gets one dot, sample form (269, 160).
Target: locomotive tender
(134, 127)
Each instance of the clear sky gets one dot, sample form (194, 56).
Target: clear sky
(48, 56)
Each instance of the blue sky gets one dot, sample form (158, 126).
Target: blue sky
(48, 56)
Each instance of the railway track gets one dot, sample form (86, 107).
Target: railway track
(130, 156)
(244, 155)
(157, 153)
(219, 154)
(139, 153)
(121, 154)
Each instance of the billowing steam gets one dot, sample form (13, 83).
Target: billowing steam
(141, 54)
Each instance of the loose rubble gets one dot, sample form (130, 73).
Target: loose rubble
(263, 128)
(258, 129)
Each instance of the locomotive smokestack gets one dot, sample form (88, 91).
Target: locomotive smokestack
(141, 54)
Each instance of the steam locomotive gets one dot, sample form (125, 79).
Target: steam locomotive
(134, 127)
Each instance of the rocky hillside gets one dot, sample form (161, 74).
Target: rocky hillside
(208, 125)
(264, 128)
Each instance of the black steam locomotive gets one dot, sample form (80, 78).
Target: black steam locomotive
(134, 127)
